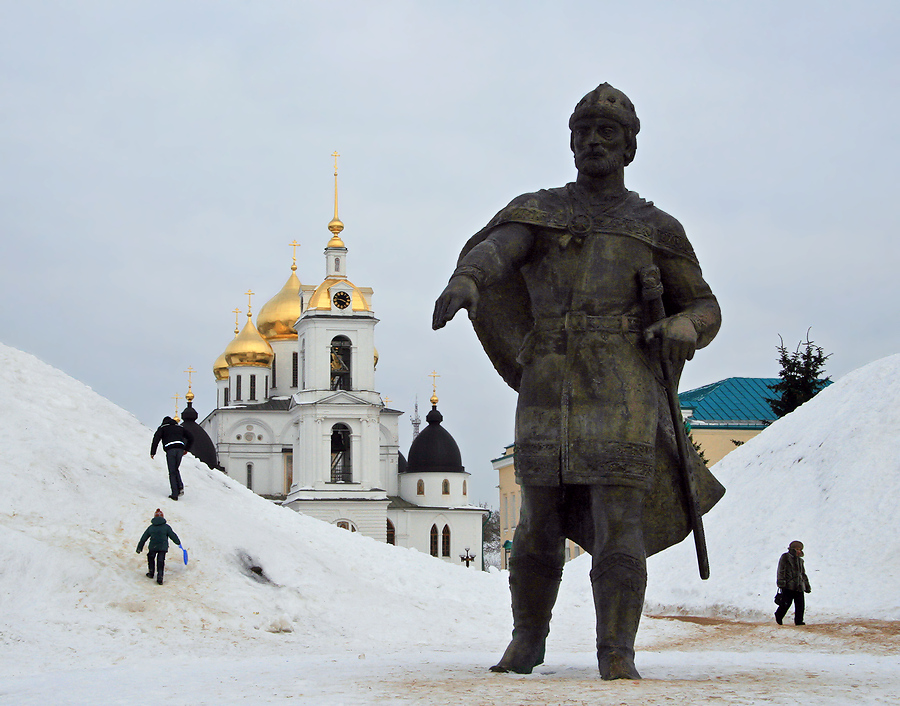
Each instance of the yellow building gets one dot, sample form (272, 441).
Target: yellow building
(511, 503)
(723, 415)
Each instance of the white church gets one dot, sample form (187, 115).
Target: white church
(298, 420)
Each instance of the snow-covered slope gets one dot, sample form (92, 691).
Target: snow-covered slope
(77, 489)
(827, 474)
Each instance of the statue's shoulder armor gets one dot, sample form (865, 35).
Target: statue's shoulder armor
(668, 233)
(547, 208)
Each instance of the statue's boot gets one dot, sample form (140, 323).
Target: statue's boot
(533, 587)
(618, 582)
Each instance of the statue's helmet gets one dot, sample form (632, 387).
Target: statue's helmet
(608, 102)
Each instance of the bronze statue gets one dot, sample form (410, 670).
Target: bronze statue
(585, 297)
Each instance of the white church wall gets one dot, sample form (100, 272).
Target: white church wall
(369, 518)
(434, 489)
(465, 531)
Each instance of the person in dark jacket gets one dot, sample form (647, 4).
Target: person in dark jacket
(176, 441)
(793, 583)
(158, 533)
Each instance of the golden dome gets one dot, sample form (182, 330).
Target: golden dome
(321, 299)
(220, 368)
(249, 348)
(277, 317)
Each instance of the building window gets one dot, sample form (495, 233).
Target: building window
(341, 468)
(420, 487)
(346, 524)
(445, 541)
(226, 397)
(274, 376)
(445, 487)
(340, 363)
(250, 476)
(237, 388)
(294, 368)
(434, 540)
(391, 533)
(266, 387)
(253, 388)
(465, 492)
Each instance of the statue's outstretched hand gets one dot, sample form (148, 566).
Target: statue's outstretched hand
(677, 337)
(460, 293)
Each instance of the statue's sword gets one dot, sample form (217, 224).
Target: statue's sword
(652, 290)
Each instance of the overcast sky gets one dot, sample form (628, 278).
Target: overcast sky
(156, 158)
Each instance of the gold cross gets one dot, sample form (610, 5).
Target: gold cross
(249, 294)
(335, 155)
(176, 398)
(295, 245)
(434, 398)
(387, 401)
(237, 313)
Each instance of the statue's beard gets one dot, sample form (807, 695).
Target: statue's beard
(596, 166)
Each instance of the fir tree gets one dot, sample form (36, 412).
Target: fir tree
(697, 447)
(801, 376)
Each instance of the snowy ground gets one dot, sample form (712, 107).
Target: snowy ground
(340, 619)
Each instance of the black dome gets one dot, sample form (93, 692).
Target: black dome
(434, 450)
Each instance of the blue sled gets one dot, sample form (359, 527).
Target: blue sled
(184, 551)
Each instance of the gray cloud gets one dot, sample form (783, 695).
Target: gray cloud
(157, 159)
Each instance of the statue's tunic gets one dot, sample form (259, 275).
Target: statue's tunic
(562, 317)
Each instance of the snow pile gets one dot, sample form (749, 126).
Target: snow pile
(827, 474)
(77, 489)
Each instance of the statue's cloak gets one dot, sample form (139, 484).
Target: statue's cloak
(504, 318)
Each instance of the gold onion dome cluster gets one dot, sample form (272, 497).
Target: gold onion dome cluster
(220, 367)
(249, 348)
(277, 317)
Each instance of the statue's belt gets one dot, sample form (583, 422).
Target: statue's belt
(576, 322)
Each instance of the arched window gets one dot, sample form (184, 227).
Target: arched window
(445, 487)
(340, 363)
(465, 488)
(420, 487)
(391, 533)
(250, 476)
(346, 524)
(445, 541)
(434, 540)
(341, 466)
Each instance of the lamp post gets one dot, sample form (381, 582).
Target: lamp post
(468, 557)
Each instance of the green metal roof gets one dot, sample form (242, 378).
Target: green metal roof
(733, 402)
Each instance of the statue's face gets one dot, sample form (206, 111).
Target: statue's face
(599, 145)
